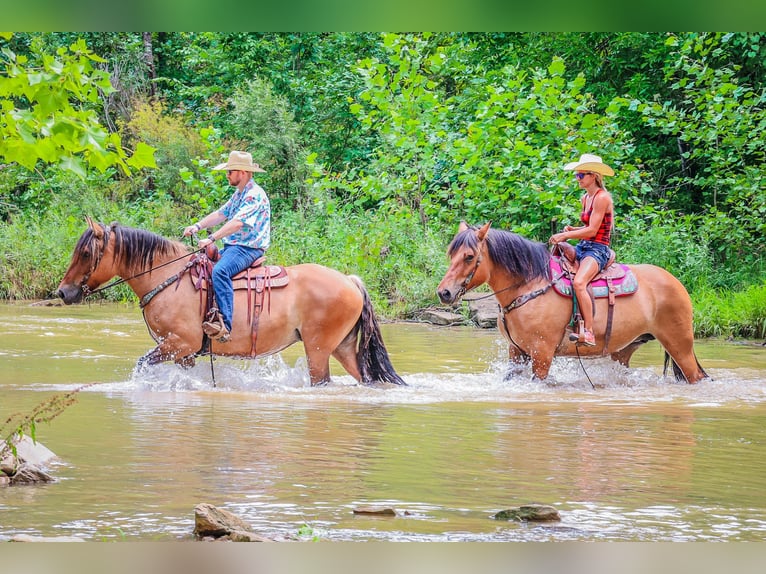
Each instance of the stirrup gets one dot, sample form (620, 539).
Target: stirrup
(576, 336)
(213, 325)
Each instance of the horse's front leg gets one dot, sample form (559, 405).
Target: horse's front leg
(517, 362)
(541, 365)
(153, 357)
(541, 354)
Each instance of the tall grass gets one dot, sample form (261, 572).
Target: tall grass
(736, 314)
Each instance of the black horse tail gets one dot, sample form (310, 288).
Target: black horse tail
(372, 356)
(677, 372)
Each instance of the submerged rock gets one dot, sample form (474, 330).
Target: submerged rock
(32, 452)
(212, 521)
(375, 511)
(529, 513)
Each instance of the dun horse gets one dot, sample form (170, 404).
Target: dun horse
(534, 317)
(329, 312)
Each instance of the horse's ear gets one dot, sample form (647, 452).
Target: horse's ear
(462, 227)
(482, 233)
(97, 229)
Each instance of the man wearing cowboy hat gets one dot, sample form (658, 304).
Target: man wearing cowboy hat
(246, 235)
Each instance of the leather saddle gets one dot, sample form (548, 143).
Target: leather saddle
(614, 281)
(258, 280)
(256, 277)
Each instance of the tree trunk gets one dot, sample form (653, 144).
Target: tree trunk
(149, 61)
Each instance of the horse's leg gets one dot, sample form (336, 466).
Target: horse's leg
(345, 353)
(681, 350)
(153, 357)
(623, 355)
(541, 365)
(318, 359)
(161, 353)
(517, 362)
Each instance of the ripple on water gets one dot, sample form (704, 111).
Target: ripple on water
(600, 381)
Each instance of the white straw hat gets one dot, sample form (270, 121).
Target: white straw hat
(240, 160)
(590, 162)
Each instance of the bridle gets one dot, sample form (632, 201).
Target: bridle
(464, 285)
(97, 255)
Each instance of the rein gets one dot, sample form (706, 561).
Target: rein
(87, 291)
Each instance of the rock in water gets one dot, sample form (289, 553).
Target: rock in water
(529, 513)
(212, 521)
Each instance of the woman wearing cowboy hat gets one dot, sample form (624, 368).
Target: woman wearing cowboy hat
(246, 235)
(595, 234)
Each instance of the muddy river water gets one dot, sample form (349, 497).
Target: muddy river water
(638, 458)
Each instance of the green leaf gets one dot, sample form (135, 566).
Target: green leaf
(73, 164)
(143, 156)
(557, 67)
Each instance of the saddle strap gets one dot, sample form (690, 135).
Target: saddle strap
(260, 295)
(609, 313)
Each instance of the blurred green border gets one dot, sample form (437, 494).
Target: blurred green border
(392, 15)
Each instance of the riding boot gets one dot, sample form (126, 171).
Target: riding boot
(213, 324)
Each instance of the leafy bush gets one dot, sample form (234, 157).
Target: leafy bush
(400, 261)
(177, 143)
(264, 121)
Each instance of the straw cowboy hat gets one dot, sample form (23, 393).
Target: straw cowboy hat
(240, 160)
(590, 162)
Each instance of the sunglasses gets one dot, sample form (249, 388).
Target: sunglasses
(580, 175)
(230, 171)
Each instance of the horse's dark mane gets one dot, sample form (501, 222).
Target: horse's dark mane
(135, 248)
(520, 256)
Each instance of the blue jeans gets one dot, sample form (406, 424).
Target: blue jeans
(234, 258)
(597, 251)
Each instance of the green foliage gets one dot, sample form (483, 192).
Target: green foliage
(717, 120)
(47, 112)
(306, 532)
(263, 120)
(731, 314)
(493, 151)
(177, 144)
(673, 243)
(399, 261)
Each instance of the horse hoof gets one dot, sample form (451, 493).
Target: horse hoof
(186, 362)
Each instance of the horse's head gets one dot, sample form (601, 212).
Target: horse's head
(87, 269)
(466, 253)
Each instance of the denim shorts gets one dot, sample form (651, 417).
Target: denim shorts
(598, 251)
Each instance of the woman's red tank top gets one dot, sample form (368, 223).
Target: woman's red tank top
(604, 233)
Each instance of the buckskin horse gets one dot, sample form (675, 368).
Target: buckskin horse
(331, 313)
(535, 318)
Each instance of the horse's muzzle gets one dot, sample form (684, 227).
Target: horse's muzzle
(449, 297)
(70, 293)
